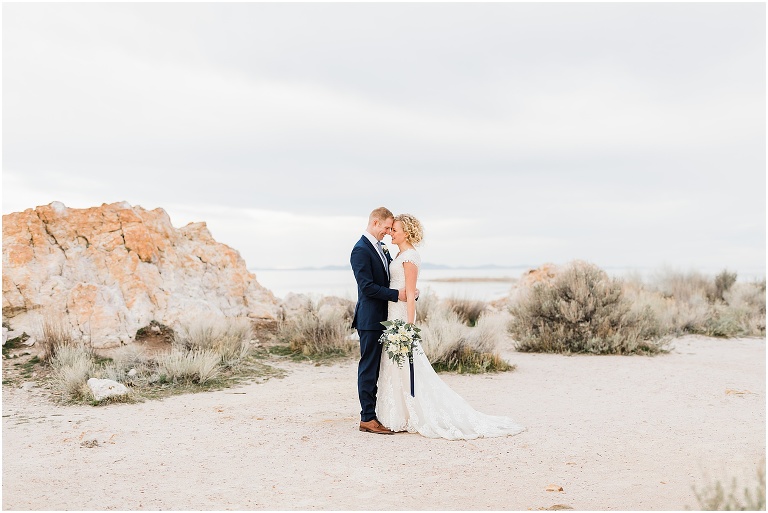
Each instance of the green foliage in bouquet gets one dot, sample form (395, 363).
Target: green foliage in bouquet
(399, 340)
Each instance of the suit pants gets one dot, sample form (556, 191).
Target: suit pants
(368, 372)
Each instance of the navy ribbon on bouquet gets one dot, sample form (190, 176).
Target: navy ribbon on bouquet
(410, 364)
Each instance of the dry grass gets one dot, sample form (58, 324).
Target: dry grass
(489, 332)
(196, 366)
(55, 332)
(314, 330)
(72, 366)
(427, 305)
(230, 338)
(129, 366)
(450, 345)
(715, 497)
(207, 354)
(468, 310)
(583, 310)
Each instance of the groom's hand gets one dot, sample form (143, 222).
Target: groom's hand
(402, 297)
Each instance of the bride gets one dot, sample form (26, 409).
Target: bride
(436, 411)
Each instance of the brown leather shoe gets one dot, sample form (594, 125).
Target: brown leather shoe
(374, 426)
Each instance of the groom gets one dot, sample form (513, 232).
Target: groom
(370, 263)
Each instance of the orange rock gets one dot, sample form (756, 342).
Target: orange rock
(112, 269)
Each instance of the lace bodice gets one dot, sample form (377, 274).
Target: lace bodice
(396, 269)
(399, 310)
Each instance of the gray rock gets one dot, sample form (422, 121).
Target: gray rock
(295, 304)
(10, 335)
(29, 385)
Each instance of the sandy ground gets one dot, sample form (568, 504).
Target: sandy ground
(621, 433)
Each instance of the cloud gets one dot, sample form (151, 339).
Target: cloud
(517, 132)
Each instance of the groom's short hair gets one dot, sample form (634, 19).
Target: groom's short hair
(381, 213)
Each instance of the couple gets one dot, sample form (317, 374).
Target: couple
(386, 290)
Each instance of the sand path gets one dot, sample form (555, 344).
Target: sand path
(621, 433)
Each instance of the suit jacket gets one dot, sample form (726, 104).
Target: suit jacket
(373, 292)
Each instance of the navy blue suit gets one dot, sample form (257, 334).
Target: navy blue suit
(373, 294)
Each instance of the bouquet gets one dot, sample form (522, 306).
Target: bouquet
(399, 340)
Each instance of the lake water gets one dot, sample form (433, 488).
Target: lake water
(341, 283)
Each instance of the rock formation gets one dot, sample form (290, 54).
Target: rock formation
(112, 269)
(546, 273)
(104, 388)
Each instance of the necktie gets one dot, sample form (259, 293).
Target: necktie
(383, 258)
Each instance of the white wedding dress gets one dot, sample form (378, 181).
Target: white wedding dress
(436, 411)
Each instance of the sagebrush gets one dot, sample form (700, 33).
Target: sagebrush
(583, 310)
(694, 303)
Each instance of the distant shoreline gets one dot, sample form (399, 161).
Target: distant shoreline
(502, 279)
(425, 265)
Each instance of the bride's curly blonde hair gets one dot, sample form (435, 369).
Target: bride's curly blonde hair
(414, 232)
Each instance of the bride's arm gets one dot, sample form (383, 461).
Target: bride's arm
(411, 273)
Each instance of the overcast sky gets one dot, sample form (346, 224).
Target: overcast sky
(626, 134)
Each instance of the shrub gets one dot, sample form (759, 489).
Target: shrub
(450, 345)
(198, 366)
(582, 310)
(317, 331)
(723, 283)
(72, 366)
(230, 338)
(686, 303)
(672, 317)
(747, 301)
(683, 287)
(736, 317)
(468, 310)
